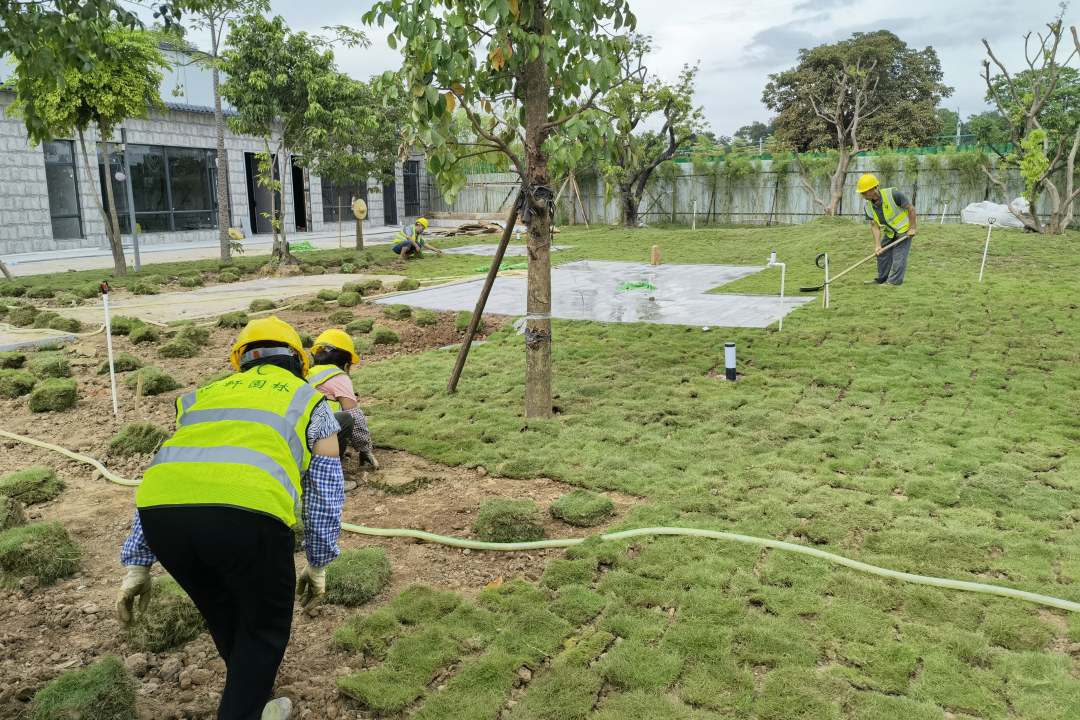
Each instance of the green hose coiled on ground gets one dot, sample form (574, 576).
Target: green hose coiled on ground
(946, 583)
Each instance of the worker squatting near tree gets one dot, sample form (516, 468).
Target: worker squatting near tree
(892, 220)
(252, 454)
(409, 240)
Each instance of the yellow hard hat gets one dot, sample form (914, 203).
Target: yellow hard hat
(868, 181)
(339, 340)
(268, 329)
(422, 221)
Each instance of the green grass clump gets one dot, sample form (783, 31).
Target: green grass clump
(190, 281)
(44, 318)
(22, 315)
(40, 292)
(11, 360)
(87, 291)
(142, 287)
(326, 294)
(313, 269)
(503, 520)
(408, 284)
(234, 320)
(12, 513)
(67, 299)
(65, 324)
(461, 322)
(138, 438)
(384, 336)
(144, 334)
(169, 621)
(49, 365)
(31, 486)
(228, 276)
(425, 318)
(397, 311)
(41, 550)
(10, 289)
(122, 362)
(357, 576)
(312, 305)
(261, 305)
(15, 383)
(347, 268)
(154, 381)
(634, 665)
(363, 287)
(349, 299)
(121, 325)
(360, 326)
(104, 690)
(368, 635)
(340, 317)
(582, 508)
(195, 334)
(178, 348)
(53, 395)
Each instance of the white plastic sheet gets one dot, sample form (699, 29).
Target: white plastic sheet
(980, 213)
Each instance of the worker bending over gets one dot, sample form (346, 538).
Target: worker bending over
(892, 217)
(410, 241)
(217, 504)
(335, 354)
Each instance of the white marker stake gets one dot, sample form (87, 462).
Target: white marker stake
(783, 272)
(942, 221)
(108, 344)
(986, 248)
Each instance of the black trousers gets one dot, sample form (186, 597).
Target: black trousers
(345, 420)
(237, 567)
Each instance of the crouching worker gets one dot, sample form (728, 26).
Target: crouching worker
(335, 354)
(217, 504)
(409, 240)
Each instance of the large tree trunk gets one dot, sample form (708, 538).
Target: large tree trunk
(115, 243)
(359, 234)
(630, 204)
(222, 165)
(538, 195)
(836, 184)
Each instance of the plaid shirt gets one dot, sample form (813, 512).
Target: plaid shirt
(323, 495)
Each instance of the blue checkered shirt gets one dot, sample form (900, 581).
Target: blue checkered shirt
(323, 495)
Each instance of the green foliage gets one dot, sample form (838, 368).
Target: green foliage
(582, 508)
(65, 324)
(1034, 163)
(54, 394)
(121, 325)
(364, 287)
(22, 315)
(170, 621)
(11, 289)
(360, 326)
(15, 383)
(327, 294)
(178, 348)
(228, 277)
(349, 299)
(49, 365)
(144, 334)
(31, 486)
(12, 513)
(234, 320)
(502, 520)
(154, 381)
(143, 287)
(41, 550)
(425, 318)
(122, 362)
(340, 317)
(384, 336)
(195, 334)
(261, 305)
(357, 576)
(190, 281)
(101, 691)
(40, 292)
(397, 311)
(407, 284)
(138, 438)
(313, 305)
(44, 318)
(462, 319)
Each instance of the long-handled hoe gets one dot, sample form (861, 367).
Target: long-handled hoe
(839, 275)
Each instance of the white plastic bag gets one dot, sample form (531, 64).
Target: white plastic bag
(980, 213)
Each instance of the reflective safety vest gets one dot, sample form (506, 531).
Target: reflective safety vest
(320, 374)
(896, 218)
(239, 442)
(408, 232)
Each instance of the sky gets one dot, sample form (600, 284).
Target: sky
(738, 44)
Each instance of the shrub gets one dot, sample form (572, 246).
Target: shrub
(154, 381)
(397, 311)
(349, 299)
(64, 324)
(357, 576)
(261, 305)
(194, 334)
(40, 292)
(33, 485)
(360, 325)
(22, 315)
(88, 291)
(582, 508)
(41, 550)
(348, 268)
(11, 513)
(11, 289)
(340, 317)
(11, 360)
(124, 362)
(15, 383)
(228, 276)
(142, 287)
(408, 284)
(102, 691)
(170, 620)
(144, 334)
(190, 281)
(179, 348)
(49, 365)
(53, 395)
(509, 521)
(425, 318)
(461, 322)
(120, 325)
(235, 320)
(328, 294)
(43, 318)
(384, 336)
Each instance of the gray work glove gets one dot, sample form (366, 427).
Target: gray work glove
(311, 587)
(368, 461)
(136, 584)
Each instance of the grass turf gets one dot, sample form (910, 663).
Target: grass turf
(102, 691)
(169, 621)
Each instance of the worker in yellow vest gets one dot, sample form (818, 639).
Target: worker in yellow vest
(892, 217)
(409, 240)
(334, 356)
(251, 454)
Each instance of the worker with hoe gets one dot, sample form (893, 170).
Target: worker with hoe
(250, 453)
(892, 219)
(409, 240)
(334, 356)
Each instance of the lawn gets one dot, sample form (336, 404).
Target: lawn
(927, 428)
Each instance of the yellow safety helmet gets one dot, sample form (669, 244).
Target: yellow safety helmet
(422, 221)
(868, 181)
(338, 340)
(268, 329)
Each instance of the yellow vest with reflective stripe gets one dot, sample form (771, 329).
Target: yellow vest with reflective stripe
(895, 217)
(321, 373)
(240, 442)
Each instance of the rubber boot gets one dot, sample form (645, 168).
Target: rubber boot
(278, 709)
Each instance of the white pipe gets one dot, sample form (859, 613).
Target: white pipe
(693, 221)
(729, 361)
(108, 345)
(783, 272)
(942, 221)
(986, 247)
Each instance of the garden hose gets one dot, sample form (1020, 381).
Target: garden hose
(945, 583)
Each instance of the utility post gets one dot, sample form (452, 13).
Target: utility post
(131, 202)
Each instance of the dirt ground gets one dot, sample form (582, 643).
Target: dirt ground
(45, 631)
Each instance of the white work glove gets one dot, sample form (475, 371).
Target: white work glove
(136, 584)
(311, 587)
(368, 461)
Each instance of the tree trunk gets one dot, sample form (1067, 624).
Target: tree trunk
(836, 184)
(284, 170)
(115, 244)
(538, 195)
(359, 234)
(222, 165)
(630, 205)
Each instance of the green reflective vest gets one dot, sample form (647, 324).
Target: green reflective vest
(408, 232)
(321, 373)
(241, 442)
(896, 218)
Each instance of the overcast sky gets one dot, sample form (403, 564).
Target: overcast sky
(740, 43)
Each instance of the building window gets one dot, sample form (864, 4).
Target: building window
(337, 200)
(411, 177)
(174, 188)
(60, 177)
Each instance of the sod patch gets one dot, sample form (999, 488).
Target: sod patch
(54, 395)
(15, 383)
(41, 550)
(49, 365)
(138, 438)
(102, 691)
(357, 576)
(582, 508)
(153, 381)
(169, 621)
(501, 520)
(31, 486)
(122, 362)
(384, 336)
